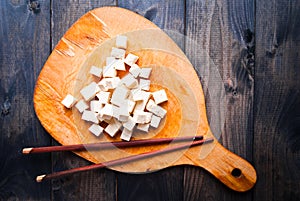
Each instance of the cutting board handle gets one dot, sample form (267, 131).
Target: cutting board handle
(229, 168)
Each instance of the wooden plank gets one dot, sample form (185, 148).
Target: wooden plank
(24, 47)
(165, 184)
(277, 100)
(94, 185)
(220, 44)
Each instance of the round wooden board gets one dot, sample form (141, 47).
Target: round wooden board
(87, 43)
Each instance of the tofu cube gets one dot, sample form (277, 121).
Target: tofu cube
(135, 70)
(128, 105)
(96, 71)
(96, 129)
(109, 71)
(160, 96)
(107, 111)
(126, 134)
(96, 106)
(81, 105)
(90, 91)
(138, 95)
(109, 60)
(141, 104)
(129, 124)
(145, 84)
(118, 53)
(119, 65)
(123, 114)
(145, 72)
(113, 127)
(109, 83)
(142, 117)
(88, 115)
(156, 109)
(115, 112)
(151, 105)
(121, 42)
(103, 97)
(131, 59)
(155, 121)
(129, 81)
(119, 95)
(69, 101)
(100, 118)
(143, 127)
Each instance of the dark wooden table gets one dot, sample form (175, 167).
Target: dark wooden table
(255, 46)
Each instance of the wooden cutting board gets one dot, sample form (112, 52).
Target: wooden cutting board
(88, 42)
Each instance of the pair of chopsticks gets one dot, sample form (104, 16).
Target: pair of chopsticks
(197, 140)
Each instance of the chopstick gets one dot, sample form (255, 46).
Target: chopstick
(106, 145)
(121, 160)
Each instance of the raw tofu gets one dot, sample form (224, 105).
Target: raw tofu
(90, 91)
(109, 60)
(103, 97)
(81, 105)
(150, 105)
(109, 71)
(135, 70)
(113, 127)
(142, 117)
(138, 95)
(117, 53)
(119, 65)
(119, 94)
(129, 81)
(115, 112)
(145, 84)
(109, 83)
(96, 106)
(155, 120)
(69, 101)
(141, 104)
(160, 96)
(156, 109)
(123, 114)
(96, 71)
(129, 124)
(128, 105)
(88, 115)
(126, 134)
(143, 127)
(121, 42)
(131, 59)
(96, 129)
(107, 111)
(145, 72)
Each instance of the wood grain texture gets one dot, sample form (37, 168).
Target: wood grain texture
(23, 50)
(277, 100)
(94, 185)
(80, 48)
(26, 40)
(220, 49)
(166, 184)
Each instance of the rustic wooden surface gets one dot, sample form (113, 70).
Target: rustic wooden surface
(256, 48)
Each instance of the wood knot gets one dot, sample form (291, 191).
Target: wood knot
(248, 35)
(5, 108)
(151, 13)
(228, 84)
(34, 6)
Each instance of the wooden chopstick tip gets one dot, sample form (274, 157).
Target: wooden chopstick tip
(40, 178)
(27, 150)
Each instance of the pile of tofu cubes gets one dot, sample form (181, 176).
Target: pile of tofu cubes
(126, 103)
